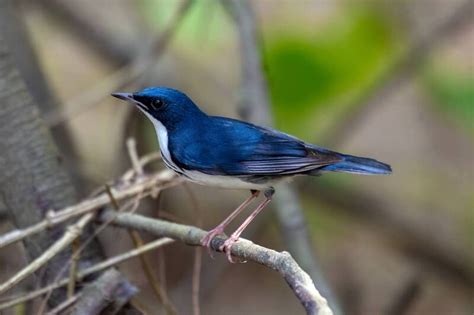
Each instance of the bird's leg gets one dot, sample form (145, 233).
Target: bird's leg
(227, 246)
(207, 239)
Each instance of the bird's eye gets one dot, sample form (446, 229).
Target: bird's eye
(156, 104)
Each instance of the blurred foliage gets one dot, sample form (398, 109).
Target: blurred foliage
(313, 77)
(206, 21)
(453, 93)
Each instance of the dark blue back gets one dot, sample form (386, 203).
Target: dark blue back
(224, 146)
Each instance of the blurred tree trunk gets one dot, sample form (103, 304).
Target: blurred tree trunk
(32, 177)
(14, 33)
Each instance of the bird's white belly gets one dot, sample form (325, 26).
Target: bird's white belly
(222, 181)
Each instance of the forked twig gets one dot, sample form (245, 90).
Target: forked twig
(88, 271)
(122, 190)
(72, 232)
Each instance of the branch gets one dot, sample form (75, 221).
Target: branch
(440, 250)
(255, 106)
(71, 234)
(123, 76)
(104, 291)
(299, 281)
(88, 271)
(145, 184)
(403, 68)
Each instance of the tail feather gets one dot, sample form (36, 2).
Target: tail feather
(358, 165)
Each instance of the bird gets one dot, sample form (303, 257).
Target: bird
(229, 153)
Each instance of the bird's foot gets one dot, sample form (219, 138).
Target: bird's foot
(207, 239)
(227, 248)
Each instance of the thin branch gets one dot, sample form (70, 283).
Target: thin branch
(64, 305)
(138, 241)
(88, 271)
(72, 232)
(133, 205)
(101, 293)
(255, 106)
(197, 263)
(132, 153)
(405, 66)
(299, 281)
(122, 76)
(122, 190)
(196, 280)
(152, 280)
(73, 270)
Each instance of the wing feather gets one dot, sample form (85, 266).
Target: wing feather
(232, 147)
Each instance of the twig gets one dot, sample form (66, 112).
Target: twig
(121, 191)
(197, 263)
(255, 105)
(404, 67)
(64, 305)
(134, 206)
(144, 160)
(437, 250)
(196, 280)
(88, 271)
(301, 284)
(138, 242)
(73, 270)
(154, 283)
(101, 293)
(72, 232)
(132, 153)
(123, 76)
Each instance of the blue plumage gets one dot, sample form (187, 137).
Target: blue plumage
(228, 147)
(219, 151)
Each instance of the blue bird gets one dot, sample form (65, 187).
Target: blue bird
(225, 152)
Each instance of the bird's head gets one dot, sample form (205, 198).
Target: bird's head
(164, 104)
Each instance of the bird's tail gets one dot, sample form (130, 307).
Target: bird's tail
(358, 165)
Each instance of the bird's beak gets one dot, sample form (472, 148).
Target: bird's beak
(124, 96)
(129, 97)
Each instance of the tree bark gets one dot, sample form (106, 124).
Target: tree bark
(32, 177)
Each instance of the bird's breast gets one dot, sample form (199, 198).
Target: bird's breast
(163, 139)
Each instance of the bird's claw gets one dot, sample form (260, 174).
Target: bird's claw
(207, 239)
(226, 247)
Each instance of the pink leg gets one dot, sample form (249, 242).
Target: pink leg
(207, 239)
(227, 246)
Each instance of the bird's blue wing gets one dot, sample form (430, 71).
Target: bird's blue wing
(233, 147)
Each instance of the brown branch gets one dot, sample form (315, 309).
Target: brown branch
(406, 65)
(255, 106)
(86, 272)
(101, 293)
(69, 236)
(282, 262)
(144, 185)
(124, 75)
(71, 287)
(117, 49)
(64, 305)
(445, 253)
